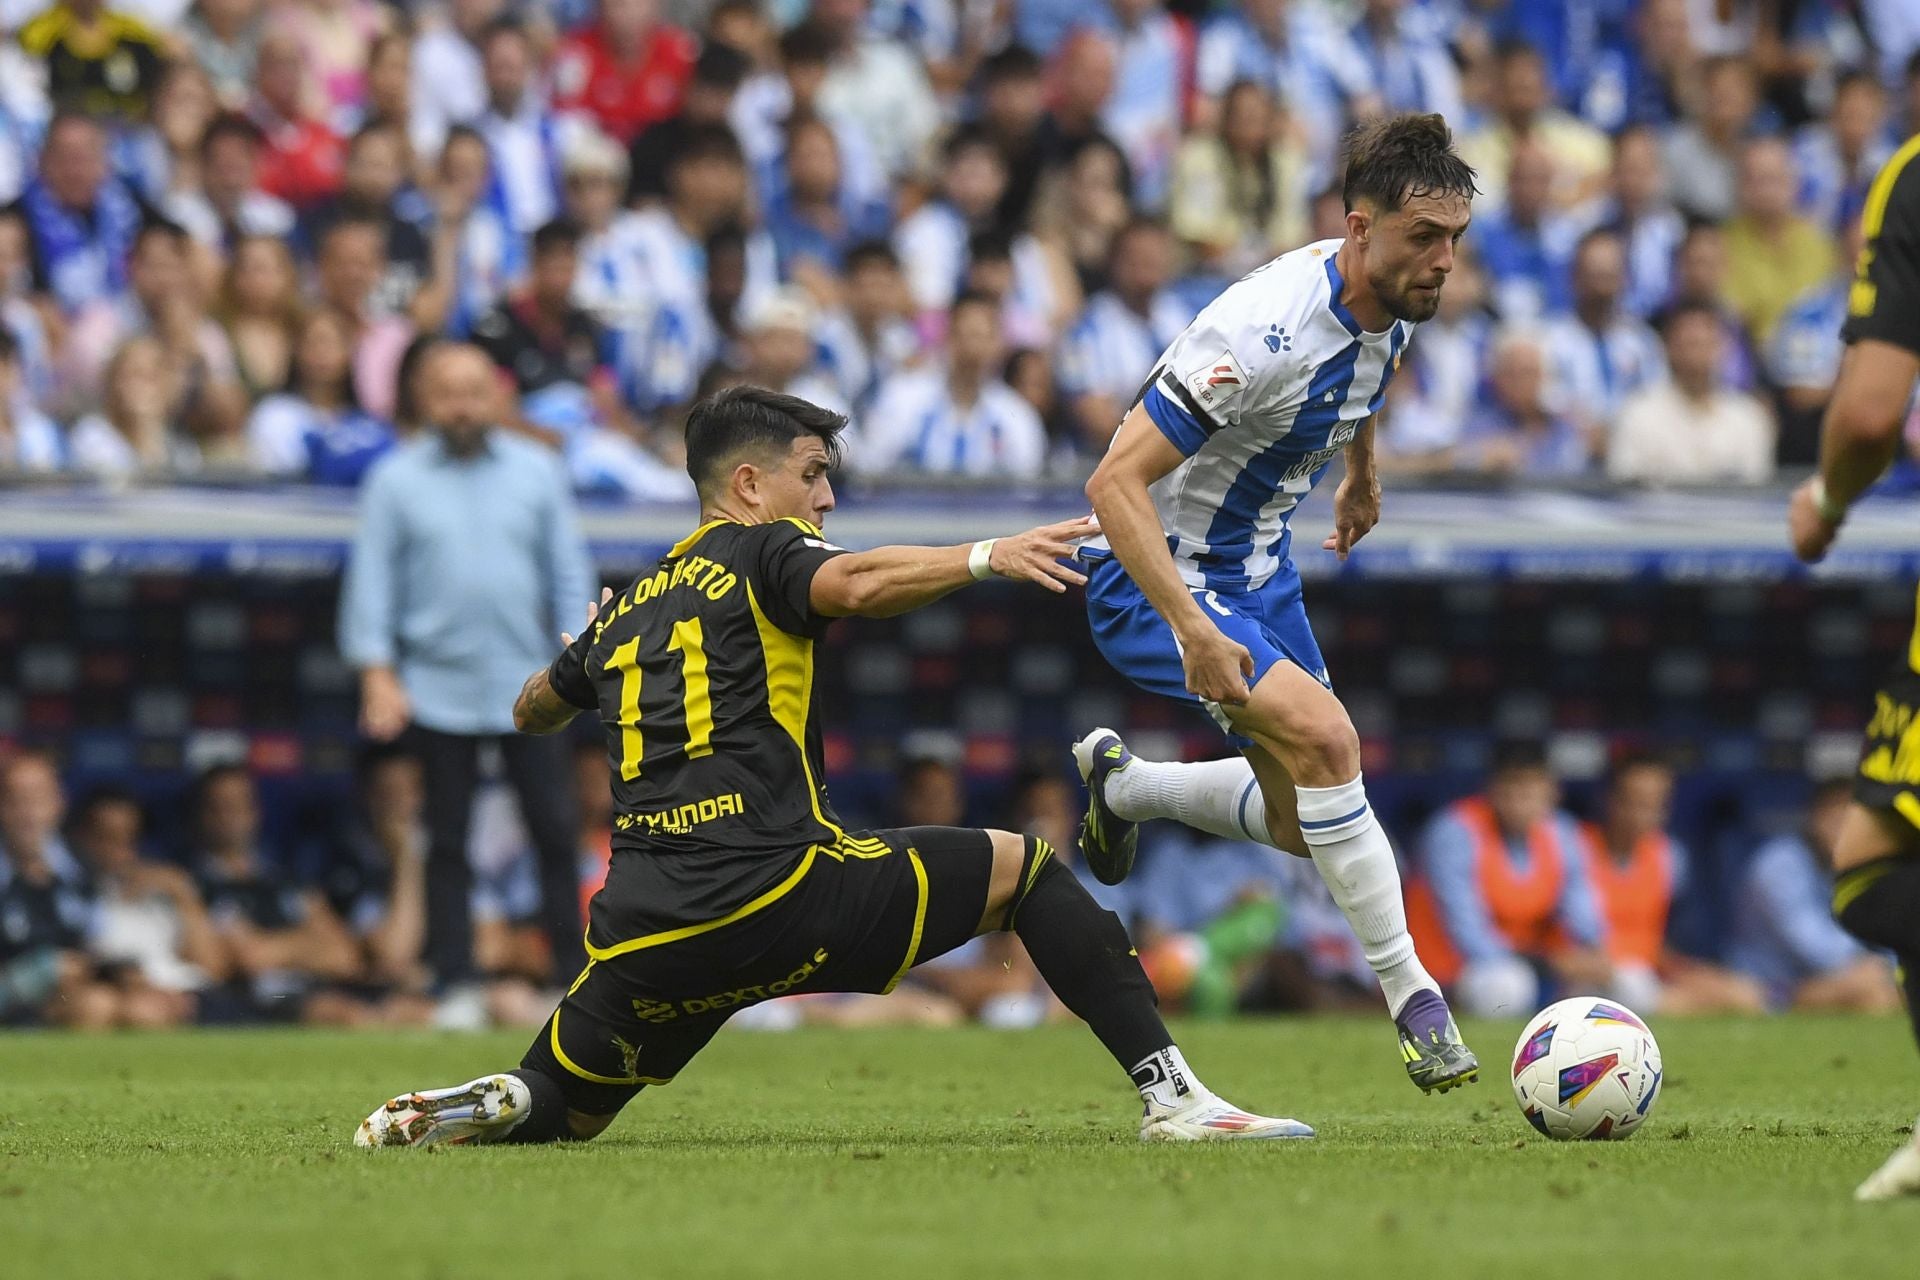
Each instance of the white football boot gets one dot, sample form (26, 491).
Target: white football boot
(1206, 1117)
(483, 1110)
(1899, 1176)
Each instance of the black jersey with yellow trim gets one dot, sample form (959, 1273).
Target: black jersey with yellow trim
(1884, 301)
(702, 673)
(110, 66)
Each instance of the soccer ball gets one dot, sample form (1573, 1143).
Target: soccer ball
(1586, 1068)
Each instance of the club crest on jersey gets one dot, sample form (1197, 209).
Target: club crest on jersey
(1218, 381)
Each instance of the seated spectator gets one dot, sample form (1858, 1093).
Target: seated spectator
(1080, 208)
(1438, 392)
(229, 205)
(349, 265)
(377, 184)
(1029, 372)
(879, 86)
(335, 39)
(284, 943)
(449, 81)
(1692, 428)
(81, 220)
(718, 75)
(1638, 871)
(994, 269)
(1144, 115)
(1774, 255)
(1123, 331)
(1838, 157)
(932, 240)
(525, 136)
(1405, 46)
(1637, 210)
(30, 443)
(1701, 269)
(1783, 931)
(45, 973)
(1012, 87)
(1502, 911)
(100, 61)
(1525, 246)
(223, 36)
(958, 418)
(135, 432)
(779, 353)
(150, 930)
(1703, 156)
(315, 430)
(1082, 79)
(1239, 195)
(163, 301)
(1294, 51)
(1517, 431)
(627, 69)
(487, 258)
(870, 337)
(1599, 352)
(1803, 358)
(161, 157)
(259, 311)
(303, 158)
(389, 101)
(376, 882)
(1524, 115)
(1205, 913)
(811, 215)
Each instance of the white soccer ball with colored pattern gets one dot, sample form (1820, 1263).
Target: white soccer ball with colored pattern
(1586, 1068)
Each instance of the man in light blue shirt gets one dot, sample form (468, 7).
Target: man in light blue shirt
(466, 566)
(1784, 933)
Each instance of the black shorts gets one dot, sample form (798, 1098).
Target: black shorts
(852, 918)
(1888, 778)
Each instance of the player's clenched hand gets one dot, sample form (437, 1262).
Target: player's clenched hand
(1218, 666)
(593, 612)
(1356, 509)
(1037, 554)
(1811, 532)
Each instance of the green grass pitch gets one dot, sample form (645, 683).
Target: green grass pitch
(868, 1154)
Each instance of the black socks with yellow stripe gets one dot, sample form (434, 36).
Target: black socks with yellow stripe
(547, 1119)
(1879, 903)
(1083, 952)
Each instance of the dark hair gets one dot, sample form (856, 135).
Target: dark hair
(974, 298)
(161, 228)
(994, 244)
(1393, 157)
(353, 213)
(809, 43)
(870, 253)
(560, 233)
(802, 120)
(1636, 758)
(9, 345)
(1513, 48)
(721, 65)
(1015, 62)
(748, 417)
(372, 129)
(1518, 754)
(1604, 231)
(1858, 78)
(206, 781)
(707, 142)
(231, 124)
(1683, 309)
(1138, 224)
(349, 391)
(969, 137)
(406, 408)
(99, 798)
(504, 25)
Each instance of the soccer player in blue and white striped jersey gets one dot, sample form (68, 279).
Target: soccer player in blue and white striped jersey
(1191, 590)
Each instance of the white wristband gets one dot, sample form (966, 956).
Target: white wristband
(979, 560)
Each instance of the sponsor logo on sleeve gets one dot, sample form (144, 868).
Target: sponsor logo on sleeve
(1218, 381)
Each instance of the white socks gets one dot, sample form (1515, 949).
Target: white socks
(1166, 1081)
(1357, 864)
(1219, 797)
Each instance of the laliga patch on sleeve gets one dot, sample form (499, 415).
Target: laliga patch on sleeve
(1218, 381)
(820, 544)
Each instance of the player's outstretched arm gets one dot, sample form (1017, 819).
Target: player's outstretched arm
(893, 580)
(1217, 665)
(540, 708)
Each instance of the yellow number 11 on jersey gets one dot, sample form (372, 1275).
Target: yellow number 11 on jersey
(697, 700)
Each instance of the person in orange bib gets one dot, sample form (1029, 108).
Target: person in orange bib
(1637, 871)
(1503, 910)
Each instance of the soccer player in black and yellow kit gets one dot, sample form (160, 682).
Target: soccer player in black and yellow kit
(1876, 894)
(732, 880)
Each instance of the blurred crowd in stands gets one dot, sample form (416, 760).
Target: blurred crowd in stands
(970, 224)
(105, 922)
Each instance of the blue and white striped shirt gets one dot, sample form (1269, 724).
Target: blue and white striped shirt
(1260, 392)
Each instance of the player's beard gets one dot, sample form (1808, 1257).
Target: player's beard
(1404, 302)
